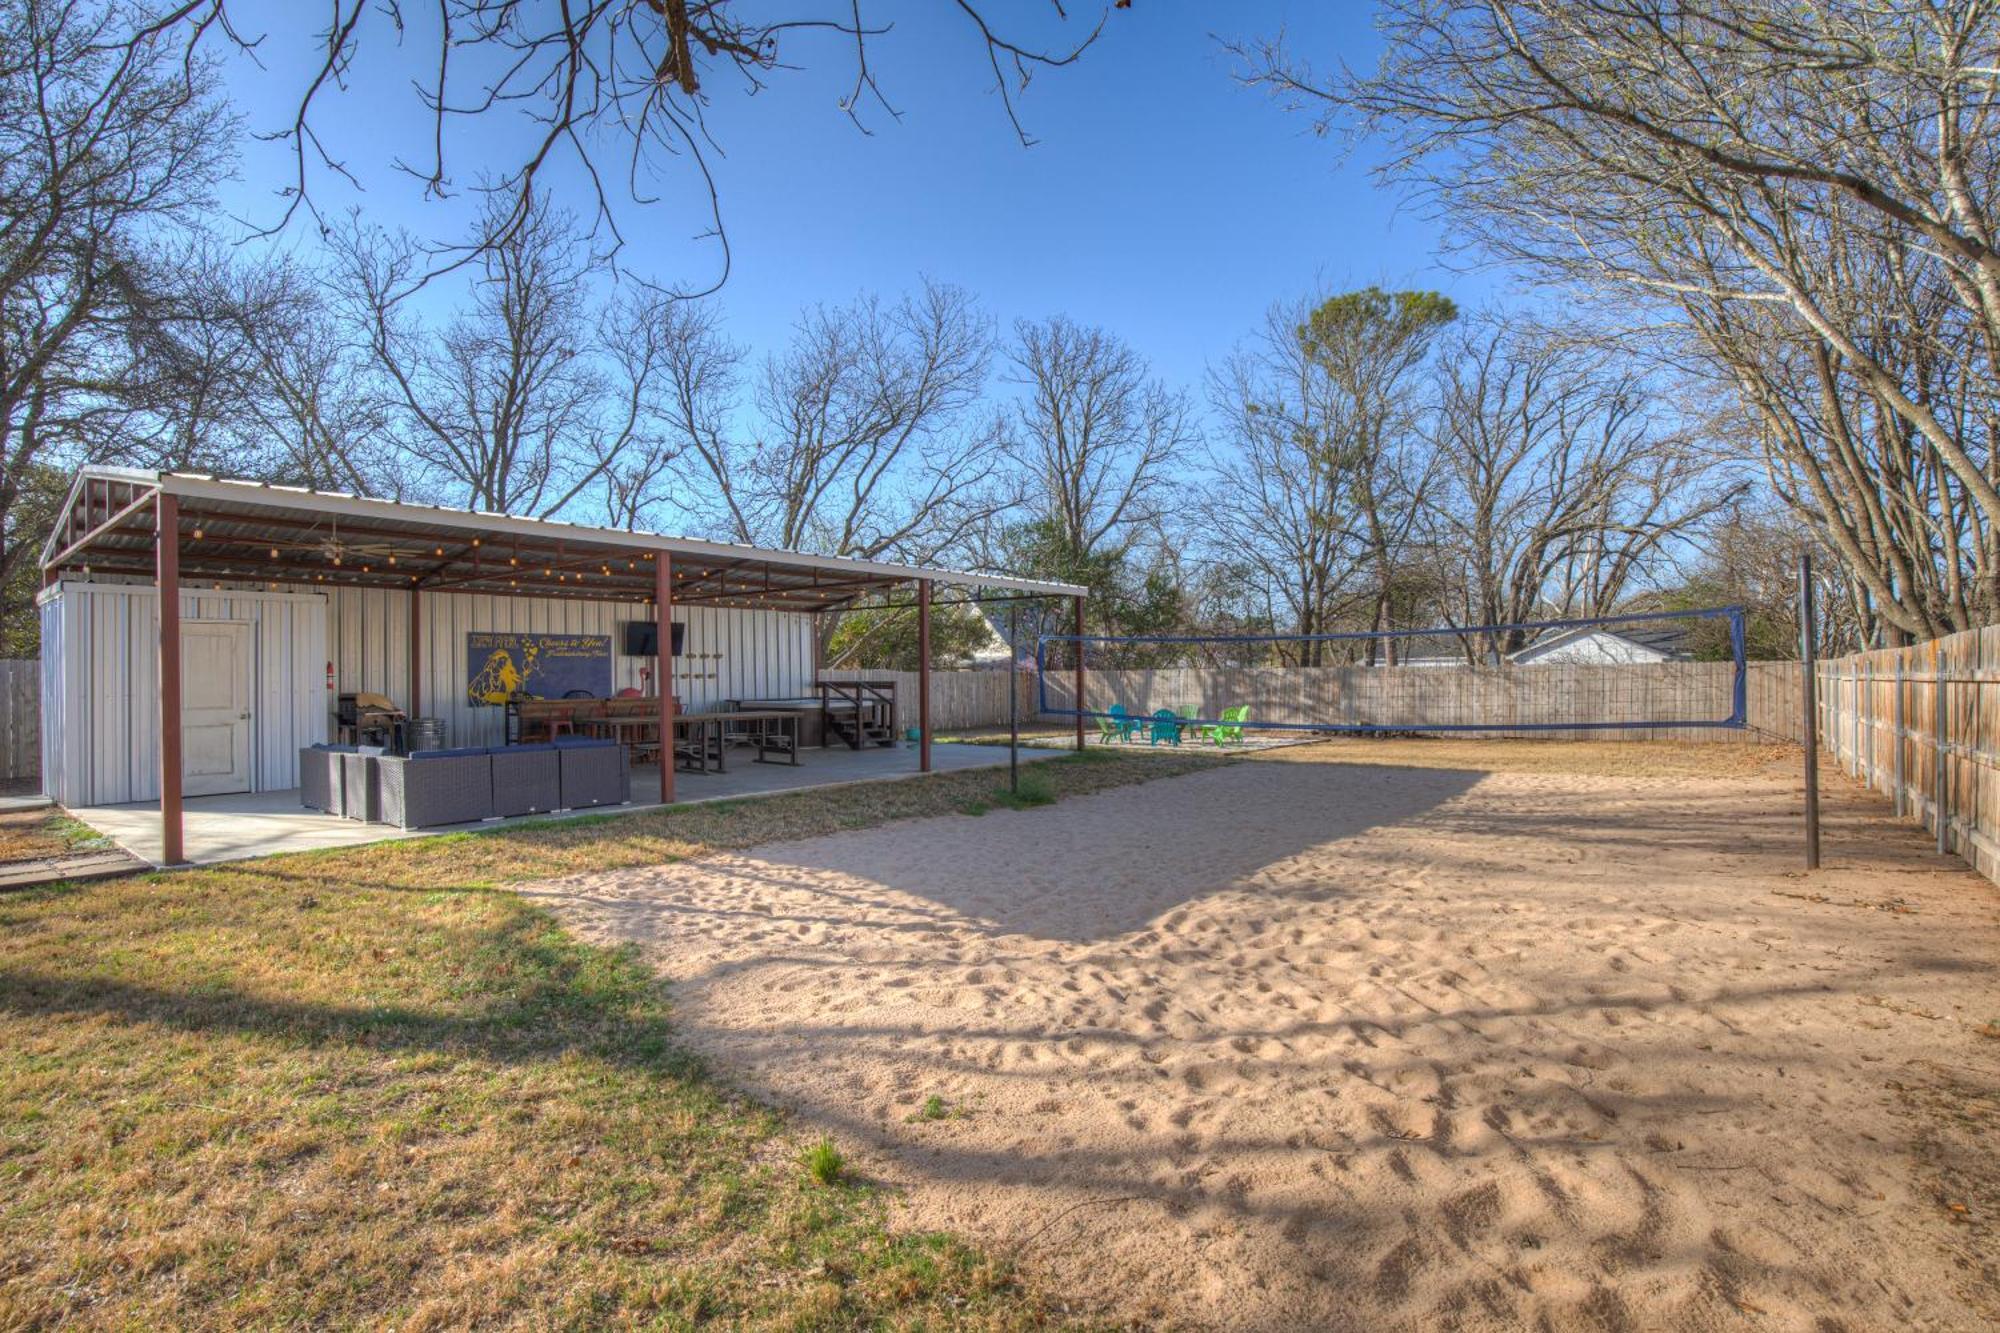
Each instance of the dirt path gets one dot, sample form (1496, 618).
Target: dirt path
(1307, 1043)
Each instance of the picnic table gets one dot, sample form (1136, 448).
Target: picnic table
(703, 738)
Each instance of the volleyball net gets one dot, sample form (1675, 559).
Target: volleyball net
(1651, 672)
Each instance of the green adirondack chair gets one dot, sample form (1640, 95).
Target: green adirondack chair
(1190, 727)
(1231, 726)
(1166, 727)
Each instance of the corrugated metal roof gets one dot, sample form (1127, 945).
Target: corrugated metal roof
(233, 510)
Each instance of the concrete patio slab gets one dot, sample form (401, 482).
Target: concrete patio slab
(231, 828)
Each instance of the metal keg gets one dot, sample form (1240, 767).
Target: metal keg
(425, 733)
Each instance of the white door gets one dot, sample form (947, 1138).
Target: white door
(215, 707)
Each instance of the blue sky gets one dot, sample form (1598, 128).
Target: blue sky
(1162, 199)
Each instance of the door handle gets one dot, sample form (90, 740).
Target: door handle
(242, 717)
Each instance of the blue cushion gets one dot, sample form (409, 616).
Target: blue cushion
(335, 749)
(463, 752)
(523, 749)
(579, 743)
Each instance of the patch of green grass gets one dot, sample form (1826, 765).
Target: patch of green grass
(823, 1162)
(934, 1108)
(1034, 789)
(76, 835)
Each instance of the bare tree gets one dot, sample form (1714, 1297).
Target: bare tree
(526, 401)
(1920, 549)
(1289, 470)
(308, 411)
(603, 91)
(1563, 484)
(106, 149)
(1759, 170)
(1100, 435)
(867, 436)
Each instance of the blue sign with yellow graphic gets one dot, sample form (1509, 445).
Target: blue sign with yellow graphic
(503, 666)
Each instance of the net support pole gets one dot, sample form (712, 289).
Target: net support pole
(1081, 706)
(1013, 700)
(1809, 705)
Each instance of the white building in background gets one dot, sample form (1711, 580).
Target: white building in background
(1631, 645)
(1588, 646)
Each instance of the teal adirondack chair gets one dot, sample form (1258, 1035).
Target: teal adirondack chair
(1166, 727)
(1231, 726)
(1120, 724)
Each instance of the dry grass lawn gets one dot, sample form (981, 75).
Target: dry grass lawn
(371, 1088)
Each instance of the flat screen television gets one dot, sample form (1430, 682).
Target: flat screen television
(642, 638)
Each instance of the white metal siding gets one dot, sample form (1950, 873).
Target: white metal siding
(100, 706)
(54, 695)
(730, 653)
(100, 740)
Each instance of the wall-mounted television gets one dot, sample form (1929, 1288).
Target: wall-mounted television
(642, 638)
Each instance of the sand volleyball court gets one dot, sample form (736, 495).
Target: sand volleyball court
(1480, 1036)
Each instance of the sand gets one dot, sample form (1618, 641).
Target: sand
(1309, 1044)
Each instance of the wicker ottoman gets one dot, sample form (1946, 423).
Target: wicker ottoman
(593, 772)
(527, 779)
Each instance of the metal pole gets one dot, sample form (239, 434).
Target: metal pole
(663, 668)
(1080, 705)
(924, 675)
(1809, 703)
(167, 564)
(416, 655)
(1013, 700)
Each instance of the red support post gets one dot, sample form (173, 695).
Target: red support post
(167, 566)
(1080, 705)
(923, 675)
(416, 655)
(663, 669)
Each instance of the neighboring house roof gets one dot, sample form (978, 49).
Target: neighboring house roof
(1627, 645)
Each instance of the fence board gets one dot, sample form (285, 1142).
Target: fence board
(20, 719)
(1914, 724)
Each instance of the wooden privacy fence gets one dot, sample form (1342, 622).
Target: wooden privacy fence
(1408, 698)
(1395, 696)
(1921, 726)
(960, 700)
(20, 719)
